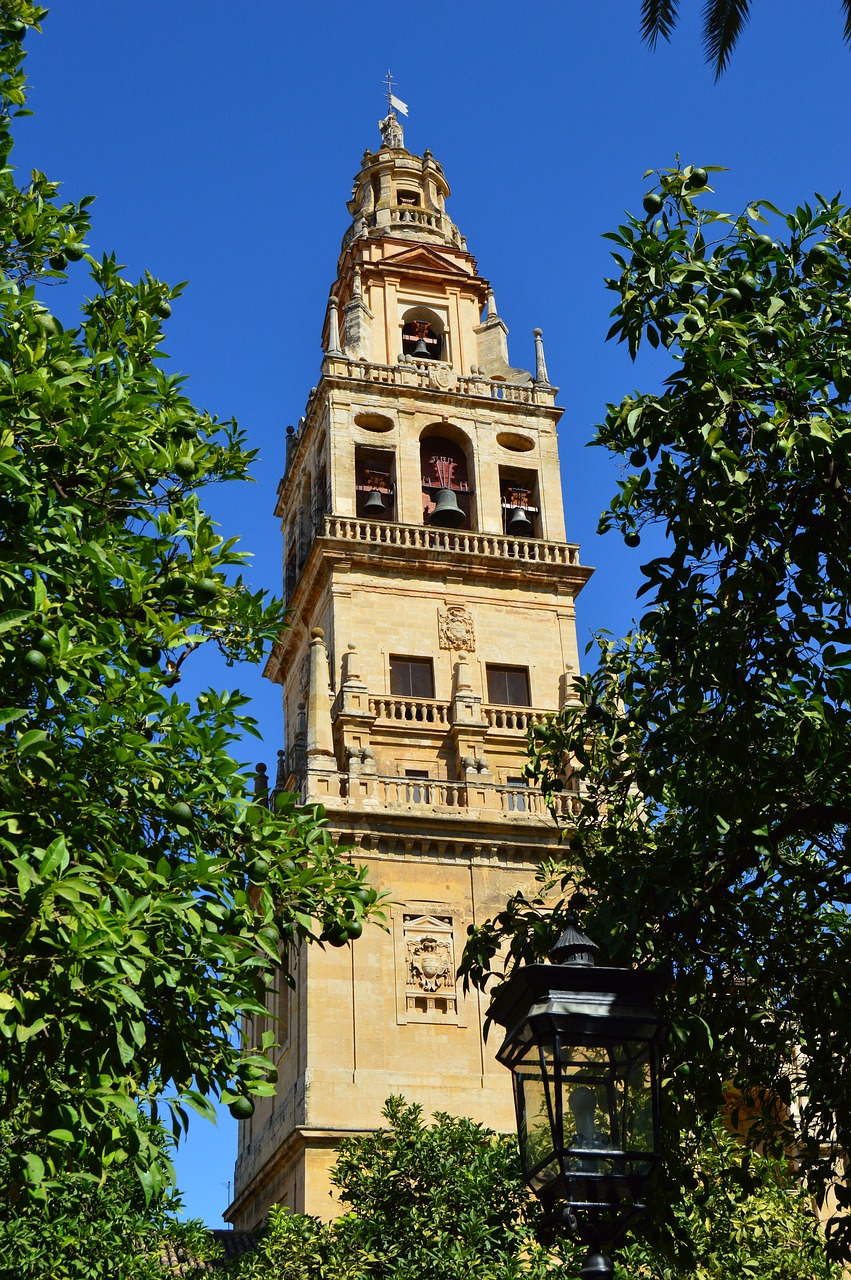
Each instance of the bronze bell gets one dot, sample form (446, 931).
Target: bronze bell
(420, 350)
(446, 511)
(518, 523)
(375, 504)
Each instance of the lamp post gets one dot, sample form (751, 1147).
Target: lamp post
(583, 1045)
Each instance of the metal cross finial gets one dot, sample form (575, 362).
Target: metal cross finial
(389, 90)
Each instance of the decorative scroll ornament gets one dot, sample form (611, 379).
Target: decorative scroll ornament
(455, 629)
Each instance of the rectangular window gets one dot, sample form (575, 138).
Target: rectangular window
(508, 686)
(411, 677)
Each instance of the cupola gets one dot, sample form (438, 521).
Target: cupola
(400, 194)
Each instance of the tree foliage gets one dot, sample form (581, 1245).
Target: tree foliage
(144, 899)
(448, 1201)
(723, 23)
(712, 746)
(88, 1231)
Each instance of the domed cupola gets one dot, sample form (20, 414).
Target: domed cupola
(399, 194)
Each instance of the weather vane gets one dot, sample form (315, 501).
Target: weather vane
(394, 103)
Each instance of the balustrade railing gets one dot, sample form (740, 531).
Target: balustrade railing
(432, 375)
(430, 538)
(513, 719)
(422, 791)
(436, 794)
(411, 213)
(514, 800)
(407, 710)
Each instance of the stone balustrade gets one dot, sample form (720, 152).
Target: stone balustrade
(406, 710)
(431, 375)
(397, 794)
(429, 538)
(512, 719)
(413, 214)
(402, 792)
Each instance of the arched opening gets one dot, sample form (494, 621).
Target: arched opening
(521, 504)
(423, 334)
(447, 491)
(375, 483)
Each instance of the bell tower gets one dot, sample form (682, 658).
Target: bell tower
(432, 594)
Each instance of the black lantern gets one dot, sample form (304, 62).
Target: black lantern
(583, 1045)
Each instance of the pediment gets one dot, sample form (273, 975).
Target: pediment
(424, 258)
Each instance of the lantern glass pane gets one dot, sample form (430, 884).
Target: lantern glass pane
(534, 1126)
(607, 1098)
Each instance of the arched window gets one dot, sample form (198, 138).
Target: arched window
(446, 488)
(375, 483)
(423, 335)
(521, 505)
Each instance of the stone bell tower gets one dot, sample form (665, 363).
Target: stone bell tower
(432, 595)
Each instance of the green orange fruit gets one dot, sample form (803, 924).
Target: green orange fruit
(242, 1108)
(336, 934)
(652, 203)
(148, 655)
(180, 813)
(259, 871)
(206, 589)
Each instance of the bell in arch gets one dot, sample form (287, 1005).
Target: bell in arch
(446, 512)
(518, 523)
(375, 504)
(421, 351)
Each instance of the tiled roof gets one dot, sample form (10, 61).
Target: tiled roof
(233, 1245)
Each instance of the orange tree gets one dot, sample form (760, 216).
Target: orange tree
(447, 1200)
(144, 898)
(713, 744)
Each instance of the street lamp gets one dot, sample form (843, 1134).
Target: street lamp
(583, 1045)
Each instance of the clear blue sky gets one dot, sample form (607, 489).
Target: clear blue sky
(221, 143)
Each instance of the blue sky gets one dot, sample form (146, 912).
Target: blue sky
(221, 143)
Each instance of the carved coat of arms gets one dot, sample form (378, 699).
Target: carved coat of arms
(429, 964)
(455, 629)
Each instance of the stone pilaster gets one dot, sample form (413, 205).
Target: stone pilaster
(321, 760)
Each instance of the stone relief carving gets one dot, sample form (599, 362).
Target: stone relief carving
(442, 378)
(429, 962)
(455, 629)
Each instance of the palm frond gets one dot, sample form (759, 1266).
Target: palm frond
(846, 5)
(659, 17)
(723, 23)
